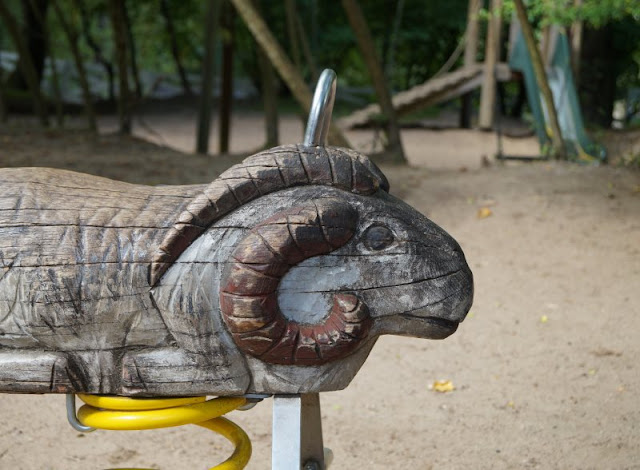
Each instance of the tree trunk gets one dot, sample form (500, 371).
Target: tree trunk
(393, 40)
(306, 48)
(269, 90)
(71, 33)
(599, 74)
(366, 45)
(33, 11)
(175, 50)
(226, 92)
(116, 10)
(55, 79)
(291, 15)
(26, 65)
(269, 99)
(54, 70)
(4, 116)
(558, 150)
(285, 68)
(208, 75)
(133, 53)
(97, 51)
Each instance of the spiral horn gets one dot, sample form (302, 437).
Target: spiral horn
(248, 293)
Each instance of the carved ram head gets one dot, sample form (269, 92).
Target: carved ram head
(303, 259)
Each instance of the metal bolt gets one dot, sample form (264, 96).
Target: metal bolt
(311, 465)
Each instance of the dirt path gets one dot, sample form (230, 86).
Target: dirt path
(544, 368)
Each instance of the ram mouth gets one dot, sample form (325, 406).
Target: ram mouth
(440, 327)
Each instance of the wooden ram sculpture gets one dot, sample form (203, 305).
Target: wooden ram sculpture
(276, 278)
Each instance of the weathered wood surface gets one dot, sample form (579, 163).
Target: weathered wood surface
(276, 278)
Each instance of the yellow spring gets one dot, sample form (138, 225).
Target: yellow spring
(126, 414)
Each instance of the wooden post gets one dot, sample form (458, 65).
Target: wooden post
(470, 52)
(492, 54)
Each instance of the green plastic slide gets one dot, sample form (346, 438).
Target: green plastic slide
(565, 99)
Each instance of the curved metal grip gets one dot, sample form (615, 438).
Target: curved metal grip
(319, 121)
(73, 418)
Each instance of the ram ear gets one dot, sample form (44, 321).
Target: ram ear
(249, 288)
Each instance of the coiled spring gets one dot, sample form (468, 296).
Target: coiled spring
(125, 414)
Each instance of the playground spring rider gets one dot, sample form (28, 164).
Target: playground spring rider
(274, 279)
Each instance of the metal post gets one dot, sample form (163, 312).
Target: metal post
(297, 433)
(297, 423)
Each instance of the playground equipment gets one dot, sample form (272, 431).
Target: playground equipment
(274, 280)
(472, 75)
(565, 97)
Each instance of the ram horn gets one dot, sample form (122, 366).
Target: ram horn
(249, 288)
(266, 172)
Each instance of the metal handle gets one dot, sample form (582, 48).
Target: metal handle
(319, 121)
(73, 418)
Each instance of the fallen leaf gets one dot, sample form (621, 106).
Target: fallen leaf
(484, 212)
(592, 372)
(443, 386)
(544, 319)
(603, 352)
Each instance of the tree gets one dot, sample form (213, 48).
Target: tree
(117, 14)
(98, 55)
(285, 68)
(366, 45)
(26, 65)
(34, 12)
(132, 50)
(208, 74)
(175, 50)
(72, 35)
(226, 91)
(269, 84)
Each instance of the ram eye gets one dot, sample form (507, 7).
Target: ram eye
(378, 237)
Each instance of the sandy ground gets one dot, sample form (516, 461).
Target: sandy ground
(544, 368)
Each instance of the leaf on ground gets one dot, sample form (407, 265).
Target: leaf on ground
(484, 212)
(544, 319)
(442, 386)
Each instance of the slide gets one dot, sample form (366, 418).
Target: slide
(565, 98)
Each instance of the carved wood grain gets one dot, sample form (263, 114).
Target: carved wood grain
(81, 309)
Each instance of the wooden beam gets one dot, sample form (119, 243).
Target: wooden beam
(470, 53)
(492, 55)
